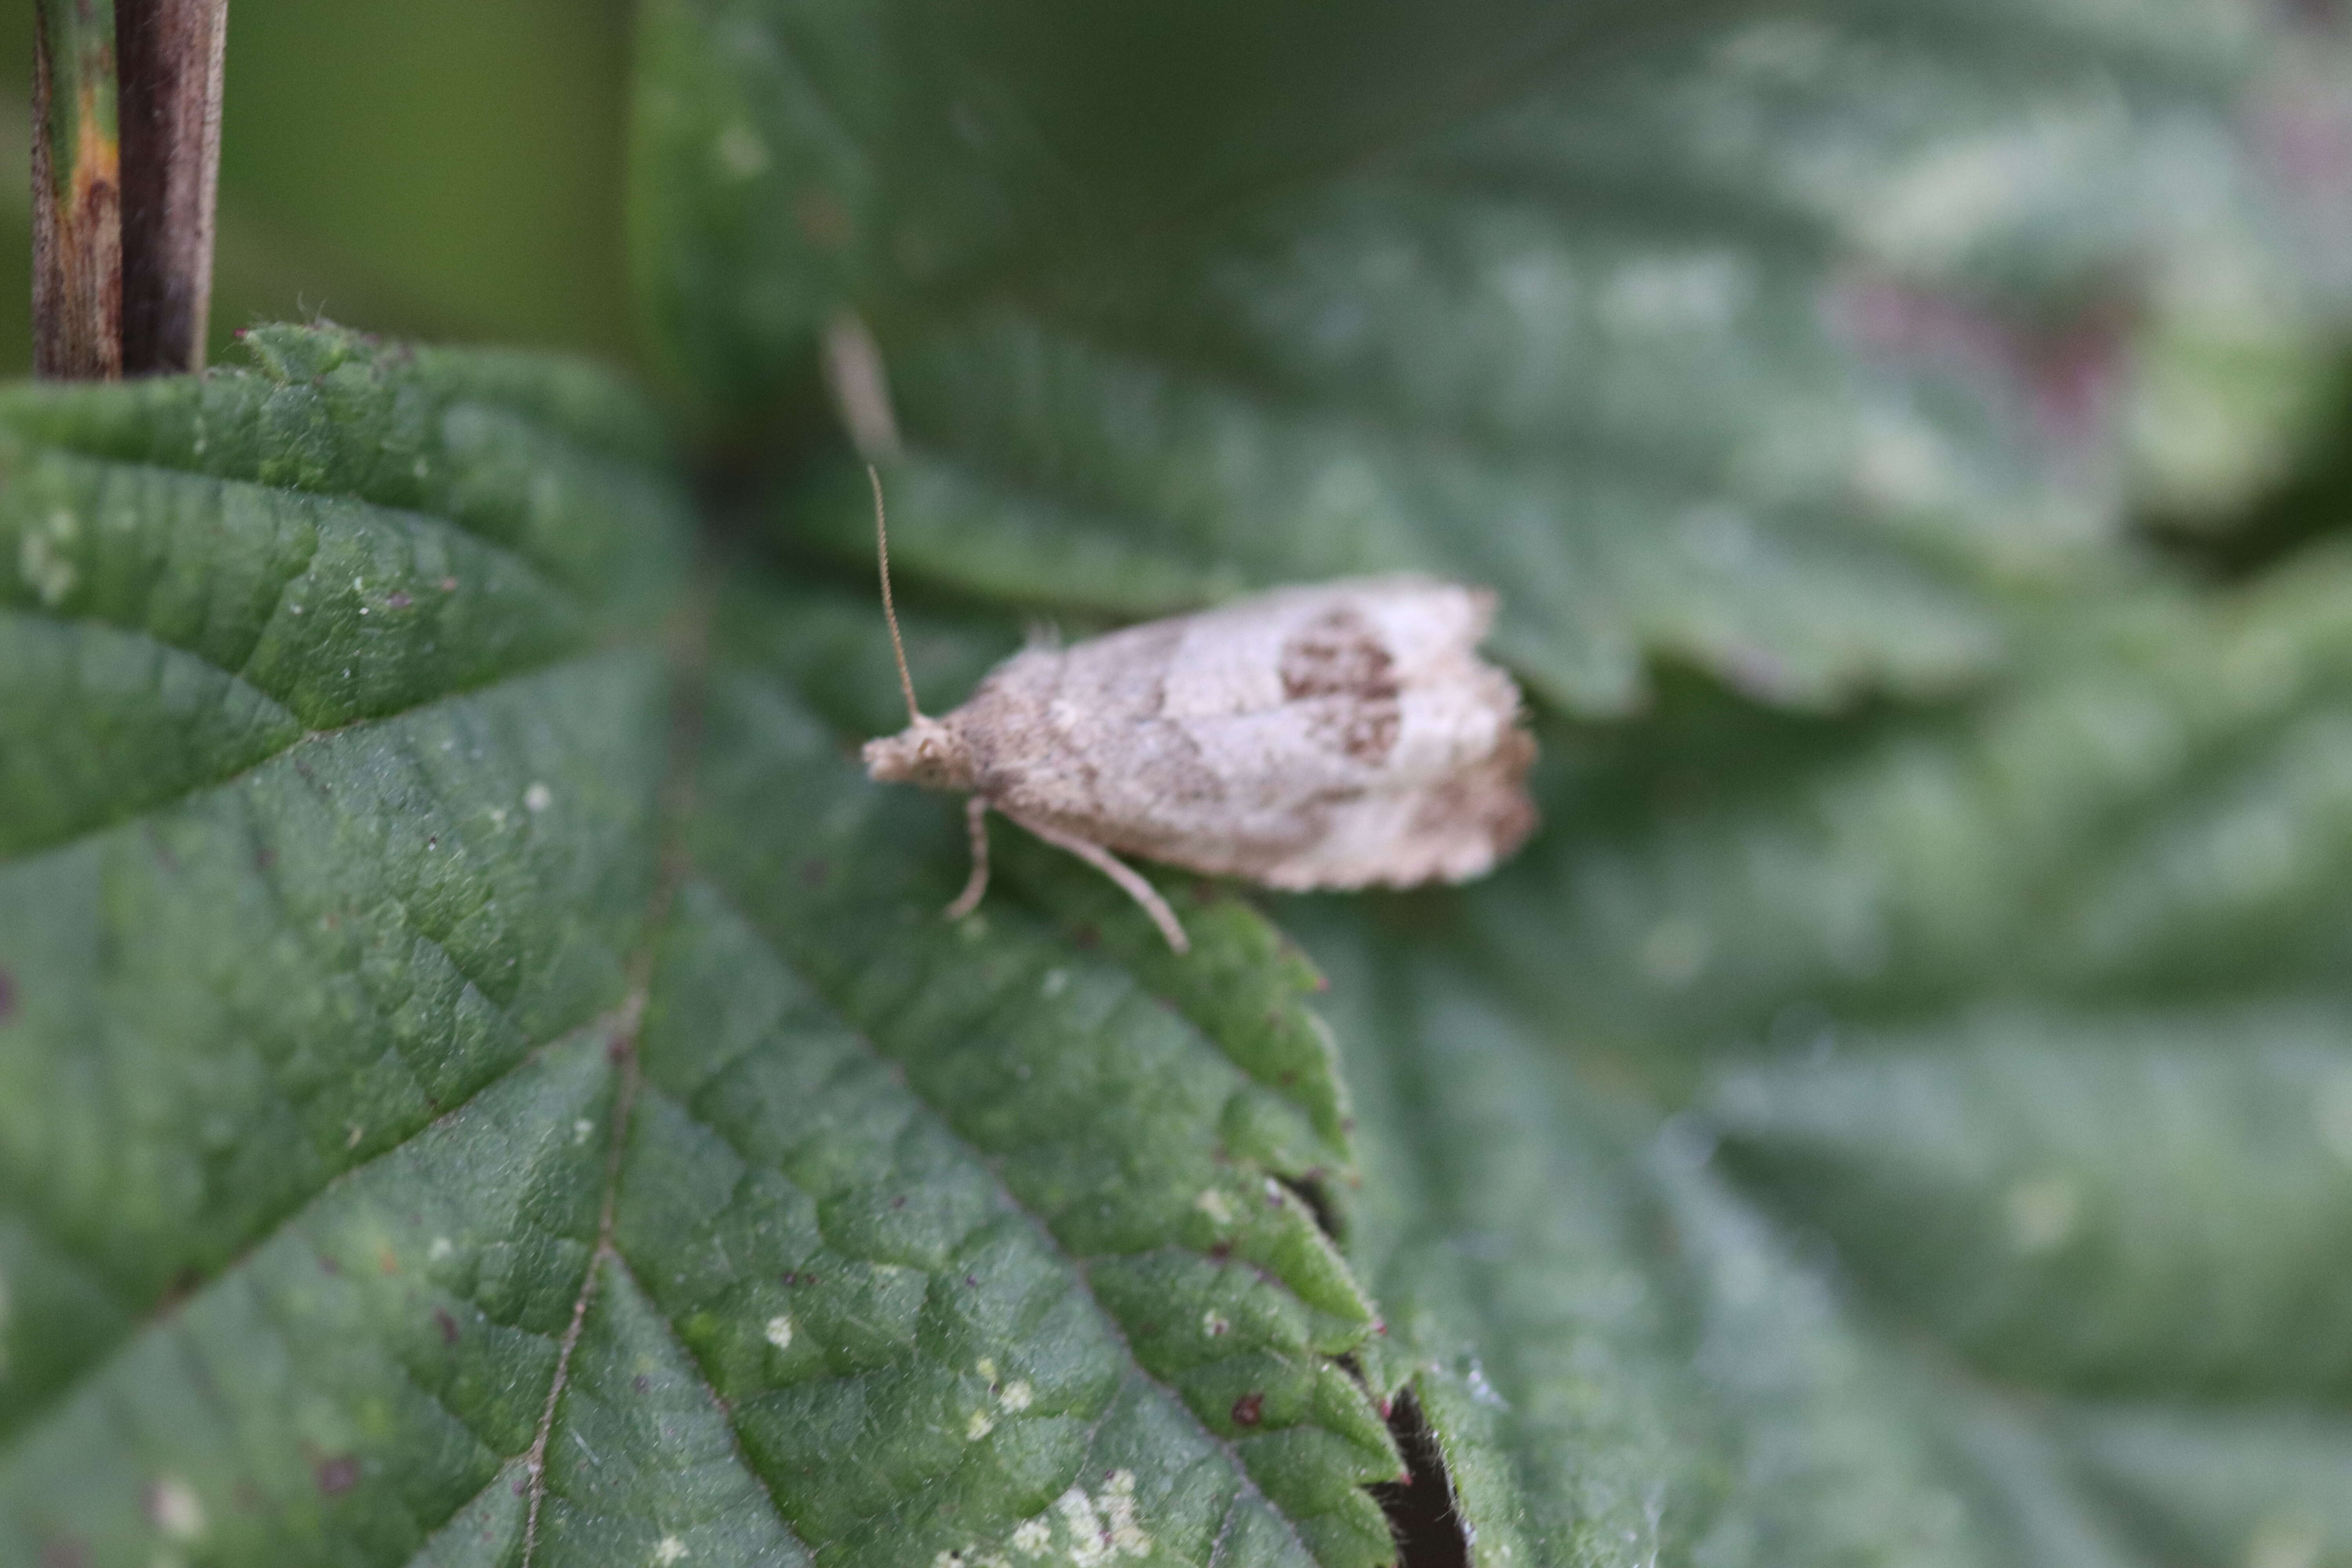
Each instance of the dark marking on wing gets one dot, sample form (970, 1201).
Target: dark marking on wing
(1364, 730)
(1337, 654)
(1338, 667)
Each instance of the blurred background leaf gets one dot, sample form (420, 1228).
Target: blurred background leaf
(435, 167)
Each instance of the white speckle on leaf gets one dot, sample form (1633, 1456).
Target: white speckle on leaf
(43, 567)
(583, 1130)
(980, 1426)
(351, 1138)
(537, 798)
(498, 812)
(1032, 1537)
(1056, 982)
(175, 1510)
(1089, 1543)
(986, 1367)
(1117, 1504)
(742, 153)
(2041, 1213)
(1101, 1527)
(1016, 1396)
(441, 1249)
(1480, 1389)
(671, 1550)
(779, 1331)
(1212, 1203)
(1213, 1325)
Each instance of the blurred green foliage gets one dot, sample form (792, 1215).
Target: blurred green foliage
(439, 168)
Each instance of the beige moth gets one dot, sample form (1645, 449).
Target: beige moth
(1344, 734)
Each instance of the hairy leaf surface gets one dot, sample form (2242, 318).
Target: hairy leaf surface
(483, 1079)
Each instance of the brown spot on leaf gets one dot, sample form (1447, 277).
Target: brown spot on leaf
(641, 1383)
(336, 1474)
(398, 601)
(448, 584)
(447, 1325)
(1249, 1409)
(64, 1552)
(816, 871)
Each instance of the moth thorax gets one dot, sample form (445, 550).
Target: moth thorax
(926, 752)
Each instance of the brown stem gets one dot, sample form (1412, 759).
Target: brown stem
(77, 186)
(171, 53)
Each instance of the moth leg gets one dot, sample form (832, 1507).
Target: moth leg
(975, 818)
(1129, 881)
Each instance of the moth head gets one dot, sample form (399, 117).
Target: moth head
(926, 752)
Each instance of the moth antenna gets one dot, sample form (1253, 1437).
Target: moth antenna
(889, 612)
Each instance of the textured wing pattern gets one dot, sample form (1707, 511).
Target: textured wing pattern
(1332, 736)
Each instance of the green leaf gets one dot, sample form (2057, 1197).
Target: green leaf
(2108, 1205)
(2250, 1488)
(524, 1105)
(2102, 1240)
(1723, 344)
(2154, 809)
(1619, 1360)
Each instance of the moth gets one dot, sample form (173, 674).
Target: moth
(1339, 735)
